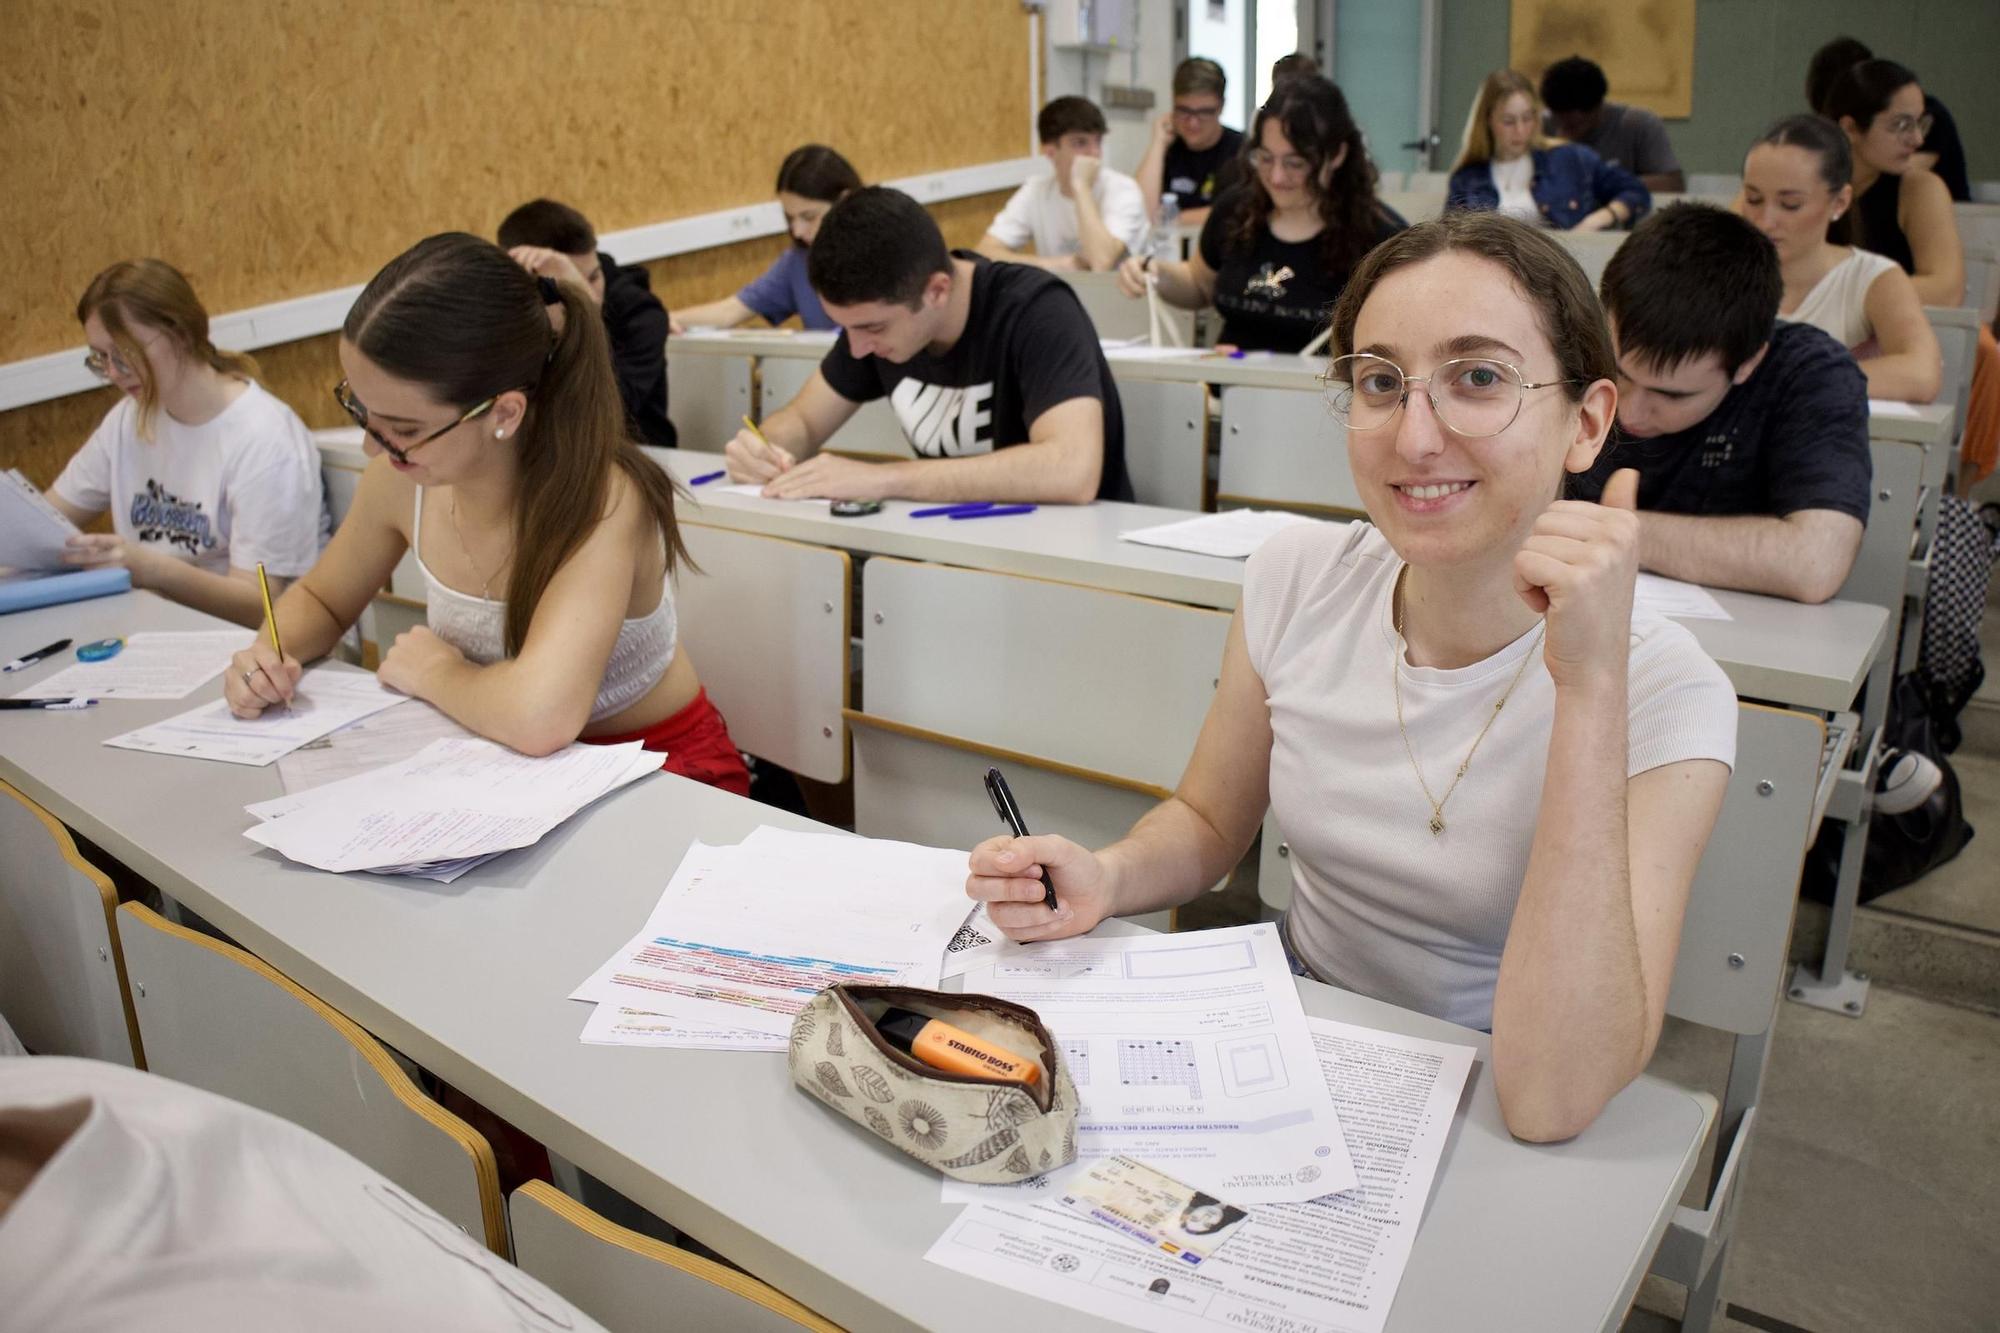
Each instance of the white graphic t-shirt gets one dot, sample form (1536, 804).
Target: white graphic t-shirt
(241, 488)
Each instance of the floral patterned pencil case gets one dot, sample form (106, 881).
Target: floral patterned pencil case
(969, 1127)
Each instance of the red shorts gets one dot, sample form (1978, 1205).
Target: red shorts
(696, 743)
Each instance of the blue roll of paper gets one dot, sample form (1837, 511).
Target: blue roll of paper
(25, 594)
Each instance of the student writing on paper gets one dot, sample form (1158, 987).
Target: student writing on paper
(811, 180)
(994, 372)
(1796, 185)
(1083, 215)
(1524, 868)
(204, 473)
(1750, 436)
(1193, 156)
(1507, 163)
(1277, 249)
(555, 241)
(545, 537)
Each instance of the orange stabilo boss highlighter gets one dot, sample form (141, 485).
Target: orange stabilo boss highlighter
(954, 1050)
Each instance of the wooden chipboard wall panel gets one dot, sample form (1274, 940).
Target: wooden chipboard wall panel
(274, 148)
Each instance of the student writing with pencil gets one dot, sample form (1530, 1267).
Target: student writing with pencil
(546, 538)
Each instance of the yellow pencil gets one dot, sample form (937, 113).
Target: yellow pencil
(270, 615)
(753, 429)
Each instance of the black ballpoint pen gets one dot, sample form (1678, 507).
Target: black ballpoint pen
(1010, 815)
(29, 659)
(77, 702)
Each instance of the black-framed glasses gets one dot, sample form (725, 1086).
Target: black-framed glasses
(1197, 112)
(1473, 396)
(353, 407)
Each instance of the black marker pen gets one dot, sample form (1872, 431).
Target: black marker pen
(1010, 815)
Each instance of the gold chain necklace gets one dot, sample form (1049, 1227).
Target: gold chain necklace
(1396, 684)
(485, 584)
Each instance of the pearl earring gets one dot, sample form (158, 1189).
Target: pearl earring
(500, 434)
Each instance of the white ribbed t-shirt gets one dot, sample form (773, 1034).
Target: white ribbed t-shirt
(1380, 905)
(1838, 303)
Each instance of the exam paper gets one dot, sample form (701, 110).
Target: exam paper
(452, 801)
(613, 1025)
(1672, 597)
(1888, 407)
(32, 531)
(1189, 1052)
(1140, 351)
(157, 665)
(1331, 1265)
(745, 936)
(756, 489)
(325, 701)
(1234, 534)
(374, 742)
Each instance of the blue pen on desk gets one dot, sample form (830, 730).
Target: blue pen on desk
(707, 477)
(952, 511)
(996, 511)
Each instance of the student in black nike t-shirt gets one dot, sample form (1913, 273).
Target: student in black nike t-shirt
(993, 370)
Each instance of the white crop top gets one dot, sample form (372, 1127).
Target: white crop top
(476, 627)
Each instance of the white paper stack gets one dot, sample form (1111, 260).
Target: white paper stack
(452, 805)
(1234, 534)
(745, 936)
(33, 532)
(157, 664)
(326, 700)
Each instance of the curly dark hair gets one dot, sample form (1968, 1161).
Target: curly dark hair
(1313, 114)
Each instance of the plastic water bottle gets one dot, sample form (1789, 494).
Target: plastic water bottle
(1165, 242)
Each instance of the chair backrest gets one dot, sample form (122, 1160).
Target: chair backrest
(708, 395)
(767, 622)
(1982, 280)
(1418, 202)
(873, 430)
(62, 973)
(632, 1283)
(221, 1019)
(1593, 250)
(1713, 186)
(1283, 447)
(1882, 566)
(1739, 915)
(1957, 330)
(1118, 316)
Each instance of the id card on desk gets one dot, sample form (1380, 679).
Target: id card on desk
(1177, 1220)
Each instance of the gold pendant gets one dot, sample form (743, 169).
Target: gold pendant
(1437, 825)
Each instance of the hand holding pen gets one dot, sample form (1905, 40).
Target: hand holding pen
(1036, 887)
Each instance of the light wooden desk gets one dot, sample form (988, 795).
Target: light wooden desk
(468, 980)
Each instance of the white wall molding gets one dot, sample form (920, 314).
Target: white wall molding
(59, 374)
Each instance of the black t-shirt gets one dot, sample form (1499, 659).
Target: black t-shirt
(1944, 141)
(636, 323)
(1027, 346)
(1195, 179)
(1273, 296)
(1793, 436)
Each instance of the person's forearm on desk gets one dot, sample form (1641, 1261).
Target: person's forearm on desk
(1061, 464)
(1805, 555)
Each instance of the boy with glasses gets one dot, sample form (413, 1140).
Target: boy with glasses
(1193, 156)
(1750, 437)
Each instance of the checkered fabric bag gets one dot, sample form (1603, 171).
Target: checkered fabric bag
(1948, 664)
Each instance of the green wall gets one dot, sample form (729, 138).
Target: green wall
(1750, 66)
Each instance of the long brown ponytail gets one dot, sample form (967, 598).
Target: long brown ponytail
(456, 315)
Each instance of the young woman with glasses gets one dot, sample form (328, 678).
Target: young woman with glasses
(546, 539)
(205, 475)
(1277, 249)
(1495, 776)
(1901, 211)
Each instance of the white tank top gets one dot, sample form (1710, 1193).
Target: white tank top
(476, 627)
(1838, 302)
